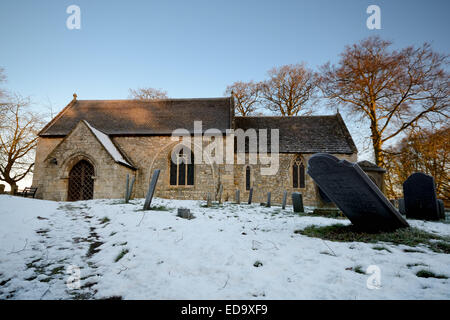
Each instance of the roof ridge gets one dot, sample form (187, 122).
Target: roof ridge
(151, 100)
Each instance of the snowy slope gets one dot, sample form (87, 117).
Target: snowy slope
(209, 257)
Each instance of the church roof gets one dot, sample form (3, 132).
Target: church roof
(135, 117)
(305, 134)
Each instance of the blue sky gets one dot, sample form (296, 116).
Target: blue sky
(189, 48)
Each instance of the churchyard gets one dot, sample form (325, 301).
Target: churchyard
(219, 248)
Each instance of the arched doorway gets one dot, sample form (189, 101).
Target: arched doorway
(81, 183)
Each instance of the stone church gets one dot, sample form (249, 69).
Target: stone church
(89, 148)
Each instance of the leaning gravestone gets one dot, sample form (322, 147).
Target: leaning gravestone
(297, 202)
(127, 188)
(151, 189)
(250, 196)
(238, 196)
(419, 192)
(353, 192)
(283, 205)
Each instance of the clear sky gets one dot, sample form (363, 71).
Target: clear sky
(189, 48)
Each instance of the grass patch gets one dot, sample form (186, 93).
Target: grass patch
(328, 213)
(121, 254)
(404, 236)
(93, 248)
(381, 248)
(57, 270)
(358, 269)
(411, 265)
(429, 274)
(159, 208)
(258, 264)
(105, 220)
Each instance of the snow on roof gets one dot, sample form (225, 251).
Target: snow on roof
(106, 141)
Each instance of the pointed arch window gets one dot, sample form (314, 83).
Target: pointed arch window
(298, 173)
(182, 172)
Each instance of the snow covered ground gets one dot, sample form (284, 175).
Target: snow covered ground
(213, 256)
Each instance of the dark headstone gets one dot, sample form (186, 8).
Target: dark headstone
(268, 203)
(208, 199)
(238, 196)
(185, 213)
(220, 193)
(441, 209)
(353, 192)
(127, 188)
(250, 196)
(151, 189)
(130, 191)
(297, 202)
(2, 188)
(401, 206)
(419, 192)
(283, 205)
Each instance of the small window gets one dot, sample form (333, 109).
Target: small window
(298, 173)
(182, 172)
(247, 178)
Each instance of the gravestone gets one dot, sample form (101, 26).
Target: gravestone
(185, 213)
(130, 191)
(283, 205)
(419, 192)
(441, 209)
(250, 196)
(127, 187)
(219, 194)
(297, 202)
(151, 189)
(208, 199)
(354, 193)
(401, 206)
(2, 188)
(268, 199)
(238, 196)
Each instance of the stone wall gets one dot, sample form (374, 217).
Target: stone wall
(52, 168)
(153, 152)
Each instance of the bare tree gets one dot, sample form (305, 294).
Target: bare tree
(392, 90)
(147, 94)
(2, 79)
(289, 89)
(18, 138)
(423, 150)
(246, 96)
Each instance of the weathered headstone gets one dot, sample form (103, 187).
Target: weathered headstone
(441, 209)
(268, 199)
(419, 192)
(283, 205)
(401, 206)
(354, 193)
(220, 193)
(297, 202)
(2, 188)
(130, 191)
(238, 196)
(208, 199)
(250, 196)
(185, 213)
(127, 188)
(151, 189)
